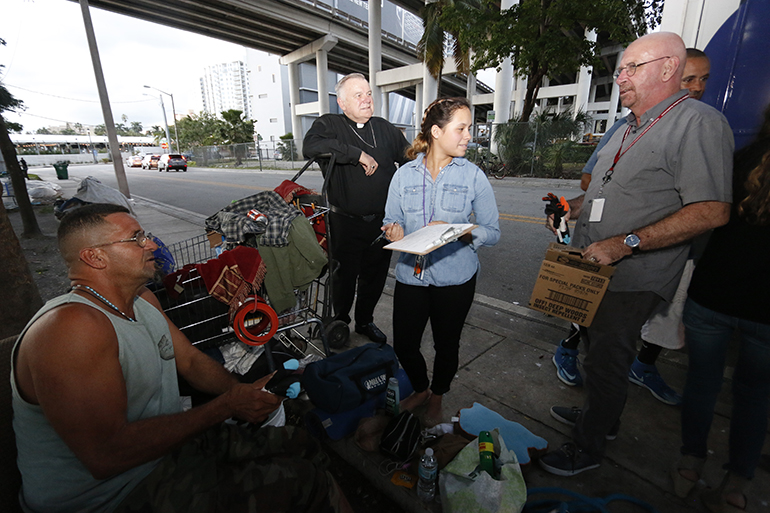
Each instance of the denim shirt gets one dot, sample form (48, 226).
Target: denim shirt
(460, 190)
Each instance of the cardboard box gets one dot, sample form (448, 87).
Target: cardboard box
(568, 286)
(215, 239)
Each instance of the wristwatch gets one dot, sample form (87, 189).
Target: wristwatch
(632, 241)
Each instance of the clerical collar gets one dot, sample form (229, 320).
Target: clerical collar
(360, 125)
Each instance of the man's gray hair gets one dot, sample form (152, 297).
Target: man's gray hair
(340, 87)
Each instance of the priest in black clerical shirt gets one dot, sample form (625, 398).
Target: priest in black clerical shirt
(367, 152)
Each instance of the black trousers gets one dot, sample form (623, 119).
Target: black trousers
(611, 344)
(447, 308)
(363, 267)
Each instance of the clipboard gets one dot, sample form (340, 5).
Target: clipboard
(430, 238)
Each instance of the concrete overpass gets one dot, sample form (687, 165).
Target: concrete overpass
(285, 26)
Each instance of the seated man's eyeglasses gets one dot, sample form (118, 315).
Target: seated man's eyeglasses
(140, 238)
(631, 67)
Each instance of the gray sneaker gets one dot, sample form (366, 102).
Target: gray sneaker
(569, 415)
(568, 460)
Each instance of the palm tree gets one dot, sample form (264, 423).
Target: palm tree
(430, 48)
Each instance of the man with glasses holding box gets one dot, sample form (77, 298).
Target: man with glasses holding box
(97, 414)
(658, 183)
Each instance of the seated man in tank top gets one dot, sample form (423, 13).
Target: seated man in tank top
(97, 413)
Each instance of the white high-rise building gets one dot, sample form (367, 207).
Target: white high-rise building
(269, 95)
(226, 86)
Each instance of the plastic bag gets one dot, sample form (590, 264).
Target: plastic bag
(464, 489)
(45, 192)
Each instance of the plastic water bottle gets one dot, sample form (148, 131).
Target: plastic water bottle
(391, 396)
(428, 472)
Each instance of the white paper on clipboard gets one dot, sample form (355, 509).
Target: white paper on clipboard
(430, 238)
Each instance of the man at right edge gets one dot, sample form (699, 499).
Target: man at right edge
(660, 182)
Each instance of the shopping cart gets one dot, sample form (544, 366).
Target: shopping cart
(207, 321)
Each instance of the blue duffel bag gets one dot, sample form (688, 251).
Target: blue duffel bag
(348, 379)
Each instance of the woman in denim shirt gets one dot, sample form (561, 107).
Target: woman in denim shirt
(438, 186)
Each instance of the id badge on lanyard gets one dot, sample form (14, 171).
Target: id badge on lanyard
(597, 206)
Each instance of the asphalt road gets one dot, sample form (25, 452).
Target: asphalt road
(508, 270)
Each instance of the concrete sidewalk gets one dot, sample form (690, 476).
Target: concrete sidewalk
(505, 364)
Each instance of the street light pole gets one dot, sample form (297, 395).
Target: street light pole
(173, 110)
(165, 121)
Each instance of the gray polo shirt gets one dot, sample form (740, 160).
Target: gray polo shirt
(686, 157)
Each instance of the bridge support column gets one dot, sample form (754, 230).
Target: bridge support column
(318, 50)
(470, 89)
(429, 89)
(322, 72)
(584, 83)
(386, 106)
(503, 88)
(612, 115)
(375, 53)
(296, 122)
(418, 110)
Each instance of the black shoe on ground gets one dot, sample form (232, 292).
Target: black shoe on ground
(569, 415)
(568, 460)
(372, 332)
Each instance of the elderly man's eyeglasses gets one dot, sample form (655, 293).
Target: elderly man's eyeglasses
(140, 238)
(631, 68)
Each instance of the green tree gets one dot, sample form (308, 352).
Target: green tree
(68, 130)
(237, 130)
(199, 130)
(546, 139)
(136, 128)
(437, 33)
(21, 298)
(287, 147)
(546, 38)
(100, 130)
(43, 131)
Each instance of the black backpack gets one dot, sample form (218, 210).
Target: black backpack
(349, 379)
(401, 436)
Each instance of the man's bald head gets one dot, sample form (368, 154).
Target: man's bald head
(84, 227)
(657, 61)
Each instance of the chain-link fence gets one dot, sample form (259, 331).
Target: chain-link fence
(543, 147)
(546, 147)
(281, 154)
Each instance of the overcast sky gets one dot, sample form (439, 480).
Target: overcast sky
(48, 65)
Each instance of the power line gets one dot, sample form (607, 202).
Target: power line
(71, 99)
(52, 119)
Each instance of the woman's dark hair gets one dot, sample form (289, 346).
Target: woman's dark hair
(755, 207)
(438, 113)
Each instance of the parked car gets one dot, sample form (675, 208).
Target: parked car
(150, 161)
(134, 161)
(172, 161)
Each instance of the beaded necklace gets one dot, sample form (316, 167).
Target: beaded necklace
(103, 300)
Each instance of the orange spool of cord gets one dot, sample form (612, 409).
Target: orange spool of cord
(255, 322)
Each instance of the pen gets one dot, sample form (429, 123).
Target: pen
(380, 237)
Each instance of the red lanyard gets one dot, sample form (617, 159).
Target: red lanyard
(621, 152)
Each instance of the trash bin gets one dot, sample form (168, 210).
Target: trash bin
(61, 170)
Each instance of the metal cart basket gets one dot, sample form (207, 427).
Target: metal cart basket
(206, 321)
